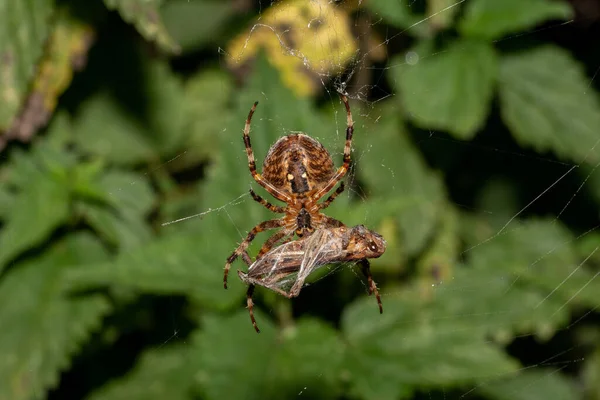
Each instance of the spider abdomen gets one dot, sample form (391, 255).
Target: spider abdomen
(298, 164)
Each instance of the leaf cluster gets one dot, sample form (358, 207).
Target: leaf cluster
(149, 133)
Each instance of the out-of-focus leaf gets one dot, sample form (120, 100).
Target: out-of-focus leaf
(308, 361)
(412, 345)
(491, 19)
(205, 115)
(128, 192)
(164, 108)
(123, 230)
(65, 51)
(441, 13)
(591, 375)
(25, 28)
(547, 103)
(539, 384)
(539, 253)
(182, 263)
(46, 326)
(224, 347)
(438, 262)
(195, 24)
(400, 14)
(398, 180)
(103, 128)
(145, 16)
(39, 208)
(305, 358)
(159, 374)
(305, 41)
(450, 91)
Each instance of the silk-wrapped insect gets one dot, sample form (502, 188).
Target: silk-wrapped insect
(285, 268)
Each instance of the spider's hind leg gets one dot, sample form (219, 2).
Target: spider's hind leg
(366, 270)
(241, 249)
(250, 305)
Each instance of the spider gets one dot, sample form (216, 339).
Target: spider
(285, 268)
(299, 171)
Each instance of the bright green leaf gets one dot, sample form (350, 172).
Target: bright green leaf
(159, 374)
(145, 16)
(492, 19)
(25, 29)
(46, 326)
(39, 208)
(450, 91)
(547, 103)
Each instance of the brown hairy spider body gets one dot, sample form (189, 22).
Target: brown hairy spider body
(285, 268)
(299, 171)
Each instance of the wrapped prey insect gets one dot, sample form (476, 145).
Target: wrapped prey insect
(285, 268)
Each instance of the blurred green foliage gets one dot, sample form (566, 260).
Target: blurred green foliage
(102, 297)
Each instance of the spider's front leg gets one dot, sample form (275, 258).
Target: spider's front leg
(341, 172)
(241, 249)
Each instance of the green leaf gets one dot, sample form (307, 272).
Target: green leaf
(398, 179)
(491, 19)
(308, 361)
(123, 230)
(304, 359)
(195, 24)
(591, 375)
(390, 354)
(103, 128)
(127, 191)
(226, 347)
(547, 103)
(145, 16)
(26, 27)
(206, 95)
(159, 374)
(183, 263)
(399, 14)
(538, 384)
(540, 253)
(39, 208)
(450, 91)
(46, 326)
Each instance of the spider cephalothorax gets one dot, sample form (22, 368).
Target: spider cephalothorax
(299, 171)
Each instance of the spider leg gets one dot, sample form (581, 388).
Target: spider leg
(347, 149)
(241, 249)
(252, 163)
(331, 198)
(271, 241)
(331, 222)
(271, 207)
(366, 270)
(250, 305)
